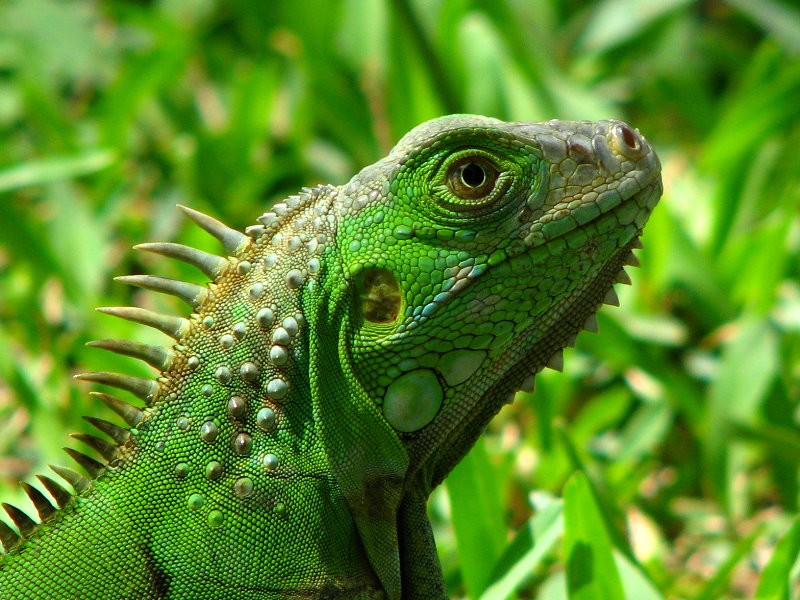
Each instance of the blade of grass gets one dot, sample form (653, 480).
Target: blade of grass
(615, 22)
(774, 582)
(711, 590)
(748, 366)
(46, 170)
(477, 517)
(591, 571)
(526, 551)
(635, 583)
(778, 18)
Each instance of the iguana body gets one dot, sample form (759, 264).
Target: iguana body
(345, 357)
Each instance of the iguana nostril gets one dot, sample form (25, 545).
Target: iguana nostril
(627, 141)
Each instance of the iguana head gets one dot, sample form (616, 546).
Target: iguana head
(476, 251)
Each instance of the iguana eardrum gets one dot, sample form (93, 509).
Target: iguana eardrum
(346, 355)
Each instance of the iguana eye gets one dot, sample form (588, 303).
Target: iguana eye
(471, 178)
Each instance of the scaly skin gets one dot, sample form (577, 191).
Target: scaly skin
(346, 356)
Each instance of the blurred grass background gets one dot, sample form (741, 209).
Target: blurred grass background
(673, 436)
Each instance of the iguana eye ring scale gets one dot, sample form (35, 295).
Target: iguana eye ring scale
(349, 350)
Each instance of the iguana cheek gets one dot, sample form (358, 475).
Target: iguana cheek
(413, 400)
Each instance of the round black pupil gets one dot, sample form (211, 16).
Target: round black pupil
(473, 175)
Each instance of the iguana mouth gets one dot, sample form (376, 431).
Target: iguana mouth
(636, 207)
(579, 313)
(575, 316)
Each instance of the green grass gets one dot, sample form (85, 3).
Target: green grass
(663, 463)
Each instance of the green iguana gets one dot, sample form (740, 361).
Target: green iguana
(346, 355)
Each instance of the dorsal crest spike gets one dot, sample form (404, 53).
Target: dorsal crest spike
(210, 264)
(24, 523)
(106, 449)
(556, 361)
(144, 389)
(129, 413)
(79, 482)
(233, 241)
(611, 297)
(175, 327)
(61, 496)
(528, 384)
(120, 435)
(632, 260)
(39, 500)
(255, 231)
(8, 537)
(155, 356)
(194, 295)
(623, 277)
(93, 468)
(268, 219)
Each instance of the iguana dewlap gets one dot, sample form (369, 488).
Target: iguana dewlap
(347, 353)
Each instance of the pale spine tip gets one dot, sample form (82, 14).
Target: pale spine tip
(255, 231)
(175, 327)
(129, 413)
(144, 389)
(233, 241)
(155, 356)
(210, 264)
(79, 482)
(194, 295)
